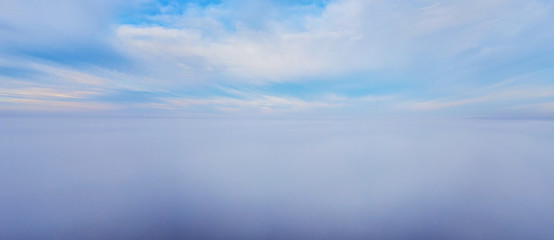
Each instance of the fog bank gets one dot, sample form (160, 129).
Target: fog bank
(276, 179)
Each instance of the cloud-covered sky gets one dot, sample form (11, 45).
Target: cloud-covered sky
(347, 57)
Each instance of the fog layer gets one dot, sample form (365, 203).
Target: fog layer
(276, 179)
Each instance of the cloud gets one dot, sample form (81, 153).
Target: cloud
(38, 23)
(347, 36)
(254, 104)
(402, 55)
(506, 96)
(43, 92)
(64, 31)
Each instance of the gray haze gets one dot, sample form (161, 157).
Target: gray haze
(276, 179)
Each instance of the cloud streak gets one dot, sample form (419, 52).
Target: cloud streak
(347, 36)
(303, 56)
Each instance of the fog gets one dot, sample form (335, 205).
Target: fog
(220, 178)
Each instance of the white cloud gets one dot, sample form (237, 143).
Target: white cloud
(38, 23)
(34, 104)
(206, 46)
(45, 93)
(350, 35)
(505, 95)
(253, 104)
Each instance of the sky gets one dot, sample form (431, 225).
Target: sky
(486, 58)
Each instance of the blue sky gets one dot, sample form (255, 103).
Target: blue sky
(492, 58)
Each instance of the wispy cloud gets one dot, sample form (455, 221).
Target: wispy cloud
(265, 104)
(347, 36)
(347, 54)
